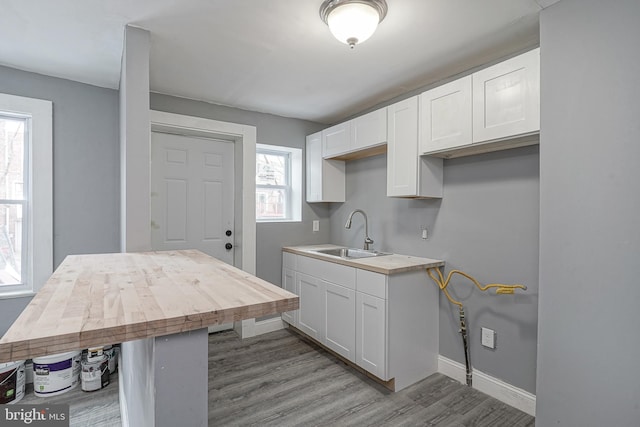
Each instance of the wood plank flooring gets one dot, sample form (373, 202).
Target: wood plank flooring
(280, 379)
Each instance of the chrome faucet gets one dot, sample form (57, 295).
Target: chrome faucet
(367, 239)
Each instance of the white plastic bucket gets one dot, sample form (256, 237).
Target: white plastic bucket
(12, 379)
(56, 374)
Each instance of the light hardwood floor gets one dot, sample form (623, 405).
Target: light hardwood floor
(280, 379)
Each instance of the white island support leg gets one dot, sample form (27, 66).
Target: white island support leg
(164, 380)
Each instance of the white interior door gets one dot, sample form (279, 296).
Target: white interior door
(192, 194)
(192, 190)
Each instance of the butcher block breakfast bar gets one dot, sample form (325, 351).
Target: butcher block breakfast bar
(159, 306)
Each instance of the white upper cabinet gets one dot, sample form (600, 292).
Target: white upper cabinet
(369, 130)
(445, 116)
(402, 147)
(360, 137)
(409, 175)
(336, 140)
(493, 109)
(506, 98)
(325, 178)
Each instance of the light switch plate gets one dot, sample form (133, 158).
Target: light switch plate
(488, 338)
(316, 225)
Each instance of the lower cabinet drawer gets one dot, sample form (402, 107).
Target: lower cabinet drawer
(329, 271)
(371, 283)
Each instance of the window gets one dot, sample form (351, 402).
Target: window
(278, 183)
(26, 254)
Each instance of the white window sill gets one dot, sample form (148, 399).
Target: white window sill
(16, 294)
(269, 221)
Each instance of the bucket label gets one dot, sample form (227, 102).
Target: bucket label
(12, 384)
(58, 366)
(41, 369)
(34, 415)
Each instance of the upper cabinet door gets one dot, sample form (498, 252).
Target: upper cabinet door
(336, 140)
(402, 148)
(445, 116)
(369, 130)
(325, 178)
(314, 167)
(506, 98)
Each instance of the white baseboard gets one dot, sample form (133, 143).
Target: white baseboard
(250, 327)
(504, 392)
(268, 325)
(245, 328)
(218, 328)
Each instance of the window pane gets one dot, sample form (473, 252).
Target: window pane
(11, 158)
(271, 203)
(10, 244)
(271, 169)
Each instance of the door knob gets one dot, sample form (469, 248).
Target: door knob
(228, 233)
(228, 246)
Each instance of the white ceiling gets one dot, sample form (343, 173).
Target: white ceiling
(273, 56)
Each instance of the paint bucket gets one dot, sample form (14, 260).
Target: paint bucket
(56, 374)
(12, 379)
(95, 373)
(94, 354)
(112, 358)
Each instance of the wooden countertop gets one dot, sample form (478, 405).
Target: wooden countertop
(110, 298)
(387, 264)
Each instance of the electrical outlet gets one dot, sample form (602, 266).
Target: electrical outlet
(425, 233)
(316, 225)
(488, 338)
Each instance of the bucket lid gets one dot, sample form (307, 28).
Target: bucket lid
(55, 357)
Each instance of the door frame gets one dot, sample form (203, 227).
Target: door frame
(244, 140)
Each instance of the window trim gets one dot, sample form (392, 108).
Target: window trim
(39, 192)
(293, 175)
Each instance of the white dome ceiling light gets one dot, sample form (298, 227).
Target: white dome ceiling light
(353, 21)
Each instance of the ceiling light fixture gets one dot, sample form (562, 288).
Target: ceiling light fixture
(353, 21)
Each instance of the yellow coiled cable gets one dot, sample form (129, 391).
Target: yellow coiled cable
(442, 284)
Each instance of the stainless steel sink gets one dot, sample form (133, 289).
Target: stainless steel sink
(350, 253)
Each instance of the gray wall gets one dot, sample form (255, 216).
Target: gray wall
(589, 345)
(486, 225)
(86, 195)
(274, 130)
(135, 133)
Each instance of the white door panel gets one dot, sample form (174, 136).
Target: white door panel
(192, 194)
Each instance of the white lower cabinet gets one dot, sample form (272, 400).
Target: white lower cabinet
(340, 320)
(385, 324)
(311, 312)
(289, 284)
(371, 328)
